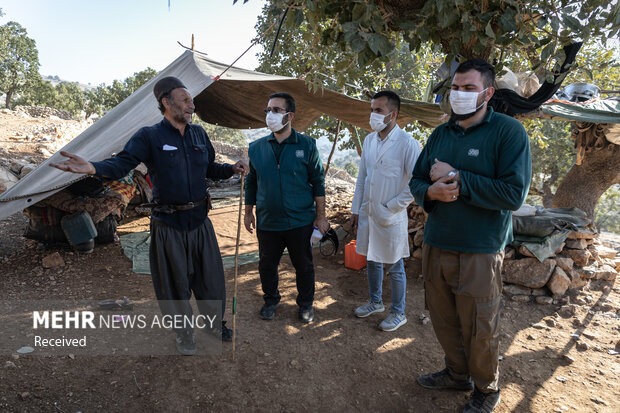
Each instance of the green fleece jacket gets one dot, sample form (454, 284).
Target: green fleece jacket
(495, 166)
(283, 191)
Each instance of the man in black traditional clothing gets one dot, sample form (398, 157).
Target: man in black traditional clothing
(184, 254)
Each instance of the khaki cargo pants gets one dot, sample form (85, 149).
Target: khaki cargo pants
(463, 294)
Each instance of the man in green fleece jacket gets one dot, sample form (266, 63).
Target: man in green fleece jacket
(473, 171)
(287, 185)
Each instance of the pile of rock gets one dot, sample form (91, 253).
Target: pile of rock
(338, 195)
(43, 112)
(417, 218)
(232, 152)
(580, 259)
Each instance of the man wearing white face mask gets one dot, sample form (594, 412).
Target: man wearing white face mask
(379, 208)
(473, 171)
(287, 185)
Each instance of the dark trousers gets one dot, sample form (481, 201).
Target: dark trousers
(271, 245)
(183, 262)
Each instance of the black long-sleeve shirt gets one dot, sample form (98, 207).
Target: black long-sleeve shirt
(178, 166)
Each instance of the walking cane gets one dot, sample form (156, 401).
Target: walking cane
(234, 303)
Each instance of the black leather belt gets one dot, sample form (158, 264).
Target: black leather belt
(172, 208)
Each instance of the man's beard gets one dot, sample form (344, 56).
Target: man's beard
(179, 116)
(455, 117)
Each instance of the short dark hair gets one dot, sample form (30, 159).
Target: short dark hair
(392, 98)
(290, 102)
(486, 70)
(161, 107)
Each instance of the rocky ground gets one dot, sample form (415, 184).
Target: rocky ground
(557, 357)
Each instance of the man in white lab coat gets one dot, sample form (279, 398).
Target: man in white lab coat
(379, 209)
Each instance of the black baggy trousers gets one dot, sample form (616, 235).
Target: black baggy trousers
(183, 262)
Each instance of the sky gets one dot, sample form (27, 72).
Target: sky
(94, 42)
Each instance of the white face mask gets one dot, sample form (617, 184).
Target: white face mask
(274, 121)
(377, 121)
(464, 103)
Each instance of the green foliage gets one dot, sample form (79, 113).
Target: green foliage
(352, 169)
(366, 31)
(65, 96)
(222, 134)
(120, 90)
(39, 93)
(19, 60)
(553, 154)
(607, 215)
(70, 97)
(404, 72)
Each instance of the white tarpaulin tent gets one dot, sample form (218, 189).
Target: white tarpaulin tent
(236, 100)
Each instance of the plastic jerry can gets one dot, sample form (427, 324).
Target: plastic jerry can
(79, 228)
(352, 259)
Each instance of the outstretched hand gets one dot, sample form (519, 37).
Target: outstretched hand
(75, 164)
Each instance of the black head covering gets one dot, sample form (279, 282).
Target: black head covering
(166, 85)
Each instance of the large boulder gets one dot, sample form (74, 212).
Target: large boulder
(513, 289)
(7, 179)
(579, 257)
(605, 272)
(606, 252)
(576, 281)
(559, 282)
(577, 244)
(565, 263)
(528, 272)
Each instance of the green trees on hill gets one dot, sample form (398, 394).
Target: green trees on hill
(19, 60)
(70, 97)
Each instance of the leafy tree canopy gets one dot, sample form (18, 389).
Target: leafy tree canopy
(19, 60)
(368, 30)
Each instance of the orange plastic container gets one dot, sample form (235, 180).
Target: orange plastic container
(352, 259)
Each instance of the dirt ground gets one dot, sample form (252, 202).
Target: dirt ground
(336, 363)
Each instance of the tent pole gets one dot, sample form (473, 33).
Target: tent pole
(192, 42)
(234, 303)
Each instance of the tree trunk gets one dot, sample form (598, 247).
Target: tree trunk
(355, 137)
(331, 153)
(7, 102)
(584, 184)
(547, 196)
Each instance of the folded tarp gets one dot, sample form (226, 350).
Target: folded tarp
(543, 234)
(548, 220)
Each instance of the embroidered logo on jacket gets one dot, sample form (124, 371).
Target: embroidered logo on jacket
(473, 152)
(299, 153)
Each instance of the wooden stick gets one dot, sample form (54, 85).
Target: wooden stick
(234, 306)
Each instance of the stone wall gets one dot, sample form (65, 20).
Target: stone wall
(581, 258)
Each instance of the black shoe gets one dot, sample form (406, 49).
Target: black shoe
(306, 315)
(224, 333)
(482, 402)
(268, 311)
(443, 380)
(185, 343)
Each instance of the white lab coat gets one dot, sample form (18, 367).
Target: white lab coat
(382, 195)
